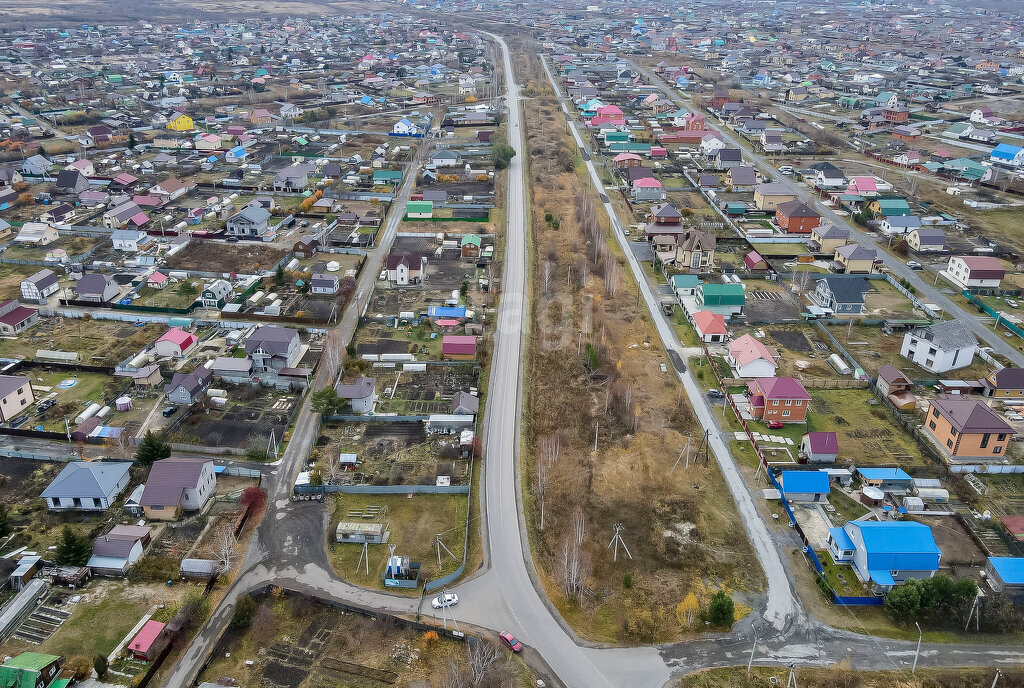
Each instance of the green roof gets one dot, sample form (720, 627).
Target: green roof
(387, 174)
(32, 661)
(22, 671)
(685, 281)
(419, 207)
(471, 239)
(722, 294)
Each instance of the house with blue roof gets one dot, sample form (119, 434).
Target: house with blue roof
(1007, 154)
(885, 554)
(886, 479)
(1006, 575)
(804, 487)
(446, 312)
(236, 155)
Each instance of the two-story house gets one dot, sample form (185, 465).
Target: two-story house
(941, 346)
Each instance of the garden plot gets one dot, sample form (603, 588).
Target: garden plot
(251, 415)
(297, 643)
(427, 392)
(97, 342)
(72, 391)
(804, 351)
(769, 302)
(244, 258)
(392, 453)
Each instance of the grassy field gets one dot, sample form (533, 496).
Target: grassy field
(413, 522)
(73, 245)
(845, 508)
(179, 295)
(842, 577)
(89, 388)
(108, 610)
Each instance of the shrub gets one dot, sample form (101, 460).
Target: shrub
(721, 611)
(245, 611)
(99, 663)
(80, 666)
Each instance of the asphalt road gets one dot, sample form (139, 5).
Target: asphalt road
(926, 291)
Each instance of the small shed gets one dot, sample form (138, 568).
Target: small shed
(359, 532)
(149, 642)
(872, 496)
(198, 569)
(25, 571)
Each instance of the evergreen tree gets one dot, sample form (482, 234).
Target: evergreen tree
(151, 449)
(73, 548)
(721, 611)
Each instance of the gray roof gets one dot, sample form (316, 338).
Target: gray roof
(947, 335)
(846, 289)
(43, 279)
(274, 340)
(169, 478)
(744, 176)
(856, 252)
(113, 546)
(229, 364)
(360, 389)
(9, 383)
(88, 479)
(93, 283)
(830, 231)
(464, 402)
(192, 382)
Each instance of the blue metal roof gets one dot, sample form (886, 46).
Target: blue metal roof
(447, 312)
(841, 538)
(1005, 151)
(883, 474)
(805, 482)
(1010, 569)
(897, 545)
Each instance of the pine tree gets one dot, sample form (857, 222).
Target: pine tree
(151, 449)
(73, 548)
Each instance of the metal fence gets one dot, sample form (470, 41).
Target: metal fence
(381, 489)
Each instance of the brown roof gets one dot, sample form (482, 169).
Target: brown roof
(169, 478)
(891, 374)
(970, 415)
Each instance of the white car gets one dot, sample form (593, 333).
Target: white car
(447, 600)
(914, 265)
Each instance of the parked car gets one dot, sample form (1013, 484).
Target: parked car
(775, 424)
(169, 411)
(232, 240)
(447, 600)
(1012, 303)
(715, 394)
(19, 421)
(914, 265)
(510, 641)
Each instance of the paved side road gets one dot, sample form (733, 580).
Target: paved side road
(927, 291)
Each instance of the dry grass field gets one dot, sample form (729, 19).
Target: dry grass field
(594, 370)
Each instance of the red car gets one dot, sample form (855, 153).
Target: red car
(775, 424)
(510, 640)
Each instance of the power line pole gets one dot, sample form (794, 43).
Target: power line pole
(364, 556)
(617, 540)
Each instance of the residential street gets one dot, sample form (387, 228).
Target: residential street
(928, 292)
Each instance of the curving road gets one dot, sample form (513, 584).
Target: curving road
(288, 548)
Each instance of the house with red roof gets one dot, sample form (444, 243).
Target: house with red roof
(458, 347)
(971, 272)
(648, 189)
(623, 160)
(755, 261)
(15, 318)
(750, 357)
(175, 343)
(781, 399)
(710, 326)
(157, 280)
(150, 641)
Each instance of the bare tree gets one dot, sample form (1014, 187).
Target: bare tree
(330, 470)
(332, 355)
(548, 271)
(453, 677)
(481, 656)
(573, 561)
(224, 547)
(550, 448)
(611, 278)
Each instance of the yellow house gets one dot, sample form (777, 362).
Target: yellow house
(181, 122)
(15, 396)
(1006, 382)
(768, 196)
(853, 259)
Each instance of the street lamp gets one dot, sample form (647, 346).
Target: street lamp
(918, 652)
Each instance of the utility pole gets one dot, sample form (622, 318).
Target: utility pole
(617, 540)
(364, 556)
(753, 649)
(791, 681)
(996, 679)
(917, 654)
(440, 545)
